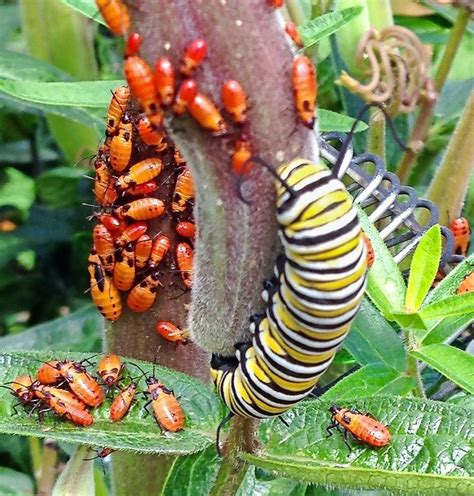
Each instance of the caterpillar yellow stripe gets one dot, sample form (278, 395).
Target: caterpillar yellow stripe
(312, 299)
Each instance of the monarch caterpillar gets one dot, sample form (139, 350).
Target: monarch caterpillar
(313, 298)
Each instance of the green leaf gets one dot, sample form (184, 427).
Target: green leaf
(58, 187)
(455, 364)
(423, 268)
(371, 380)
(449, 285)
(9, 247)
(82, 116)
(429, 452)
(271, 486)
(78, 475)
(332, 121)
(313, 31)
(373, 340)
(87, 8)
(454, 305)
(409, 320)
(9, 22)
(196, 471)
(20, 67)
(137, 432)
(17, 190)
(447, 328)
(13, 483)
(94, 94)
(385, 285)
(448, 12)
(81, 330)
(453, 98)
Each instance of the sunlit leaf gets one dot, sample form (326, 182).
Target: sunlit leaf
(137, 432)
(81, 331)
(455, 364)
(371, 380)
(71, 94)
(325, 25)
(16, 190)
(332, 121)
(423, 268)
(373, 340)
(385, 285)
(429, 450)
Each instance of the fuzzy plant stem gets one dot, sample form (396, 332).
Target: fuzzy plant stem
(49, 470)
(376, 134)
(233, 469)
(413, 370)
(236, 242)
(423, 121)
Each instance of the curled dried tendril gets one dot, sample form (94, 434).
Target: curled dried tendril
(398, 64)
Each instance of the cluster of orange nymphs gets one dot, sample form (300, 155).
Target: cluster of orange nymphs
(70, 391)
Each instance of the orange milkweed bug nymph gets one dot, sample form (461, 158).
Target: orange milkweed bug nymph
(305, 89)
(55, 399)
(145, 189)
(124, 269)
(152, 134)
(139, 76)
(467, 285)
(235, 100)
(131, 233)
(165, 80)
(105, 247)
(186, 93)
(172, 333)
(104, 190)
(110, 368)
(204, 111)
(116, 15)
(140, 173)
(103, 291)
(49, 373)
(82, 384)
(370, 250)
(183, 191)
(117, 107)
(166, 408)
(362, 426)
(241, 163)
(161, 246)
(121, 145)
(143, 209)
(134, 42)
(143, 250)
(186, 229)
(142, 297)
(292, 31)
(184, 259)
(194, 54)
(462, 235)
(122, 402)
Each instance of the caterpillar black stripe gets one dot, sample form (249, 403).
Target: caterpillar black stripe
(312, 300)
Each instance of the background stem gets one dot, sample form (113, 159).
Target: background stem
(423, 121)
(451, 181)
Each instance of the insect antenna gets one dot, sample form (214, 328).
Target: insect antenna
(262, 162)
(358, 118)
(221, 425)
